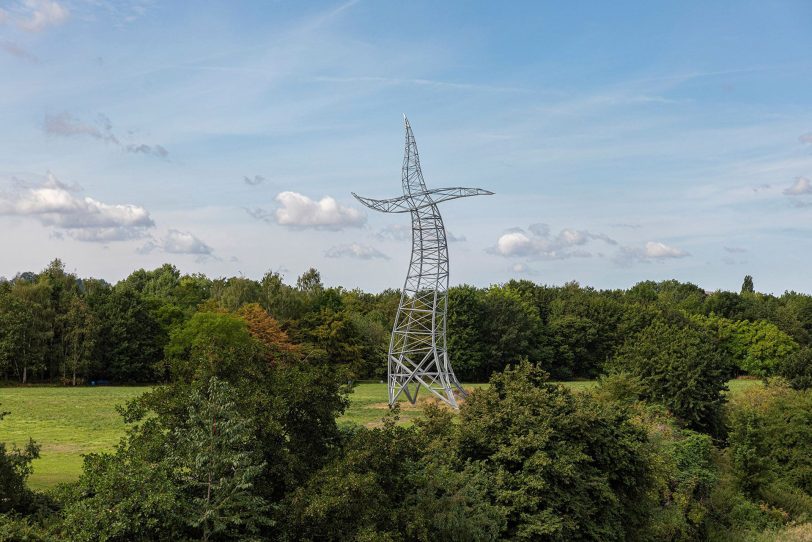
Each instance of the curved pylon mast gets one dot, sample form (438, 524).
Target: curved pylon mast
(417, 348)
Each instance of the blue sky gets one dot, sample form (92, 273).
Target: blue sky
(624, 141)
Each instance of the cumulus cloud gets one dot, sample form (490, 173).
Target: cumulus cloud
(652, 251)
(539, 242)
(181, 242)
(253, 181)
(298, 210)
(57, 204)
(178, 242)
(658, 250)
(66, 125)
(355, 250)
(801, 186)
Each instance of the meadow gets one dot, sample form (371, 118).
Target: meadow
(70, 422)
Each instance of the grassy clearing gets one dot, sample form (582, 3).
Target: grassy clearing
(66, 422)
(70, 422)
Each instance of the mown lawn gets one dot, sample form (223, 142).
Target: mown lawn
(66, 422)
(69, 422)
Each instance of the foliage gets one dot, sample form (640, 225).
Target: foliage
(57, 327)
(217, 466)
(797, 369)
(384, 487)
(680, 367)
(561, 465)
(770, 438)
(15, 467)
(756, 348)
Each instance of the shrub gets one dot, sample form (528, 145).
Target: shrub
(797, 369)
(681, 367)
(770, 442)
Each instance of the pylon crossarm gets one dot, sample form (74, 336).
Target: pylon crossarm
(419, 200)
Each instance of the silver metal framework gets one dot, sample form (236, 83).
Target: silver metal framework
(417, 349)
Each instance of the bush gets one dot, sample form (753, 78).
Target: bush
(797, 369)
(563, 466)
(15, 467)
(770, 442)
(681, 367)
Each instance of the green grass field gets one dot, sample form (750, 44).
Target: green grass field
(69, 422)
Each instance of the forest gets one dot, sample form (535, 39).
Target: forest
(238, 439)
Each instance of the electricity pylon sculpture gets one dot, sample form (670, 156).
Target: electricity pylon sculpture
(417, 347)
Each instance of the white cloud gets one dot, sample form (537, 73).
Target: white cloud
(55, 204)
(652, 251)
(538, 242)
(299, 210)
(801, 186)
(178, 242)
(355, 250)
(655, 249)
(40, 14)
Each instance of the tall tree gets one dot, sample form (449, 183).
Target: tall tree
(79, 337)
(218, 462)
(682, 367)
(747, 285)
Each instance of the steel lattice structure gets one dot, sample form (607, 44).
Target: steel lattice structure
(417, 348)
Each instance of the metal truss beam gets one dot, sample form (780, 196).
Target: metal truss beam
(417, 347)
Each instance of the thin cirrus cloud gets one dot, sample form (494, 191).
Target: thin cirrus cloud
(539, 242)
(57, 204)
(178, 242)
(66, 125)
(299, 211)
(357, 251)
(806, 138)
(800, 187)
(35, 15)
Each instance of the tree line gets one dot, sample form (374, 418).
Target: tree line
(59, 328)
(241, 442)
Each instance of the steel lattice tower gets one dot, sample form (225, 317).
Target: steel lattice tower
(417, 348)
